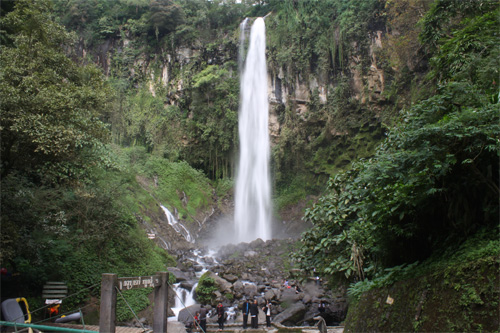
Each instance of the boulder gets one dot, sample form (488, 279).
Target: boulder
(272, 294)
(291, 315)
(258, 243)
(179, 275)
(188, 285)
(289, 295)
(223, 285)
(230, 277)
(186, 315)
(238, 286)
(250, 290)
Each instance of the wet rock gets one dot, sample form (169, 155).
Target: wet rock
(188, 285)
(179, 275)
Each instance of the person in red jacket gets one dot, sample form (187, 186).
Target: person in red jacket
(221, 316)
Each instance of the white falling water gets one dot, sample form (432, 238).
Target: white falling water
(241, 52)
(177, 225)
(183, 298)
(253, 185)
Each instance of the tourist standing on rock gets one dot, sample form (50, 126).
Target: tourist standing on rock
(246, 311)
(203, 318)
(220, 316)
(254, 314)
(267, 311)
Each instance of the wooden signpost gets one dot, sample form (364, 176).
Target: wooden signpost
(110, 283)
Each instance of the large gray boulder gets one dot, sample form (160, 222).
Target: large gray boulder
(289, 295)
(223, 285)
(272, 294)
(179, 275)
(291, 315)
(250, 290)
(186, 315)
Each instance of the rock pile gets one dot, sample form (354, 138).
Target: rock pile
(264, 271)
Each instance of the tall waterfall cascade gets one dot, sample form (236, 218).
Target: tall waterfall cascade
(253, 207)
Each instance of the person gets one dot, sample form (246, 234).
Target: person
(203, 318)
(267, 311)
(254, 314)
(220, 316)
(297, 289)
(321, 308)
(246, 311)
(196, 323)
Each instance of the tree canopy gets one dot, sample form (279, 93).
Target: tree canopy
(51, 106)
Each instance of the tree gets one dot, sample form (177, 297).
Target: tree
(50, 105)
(165, 16)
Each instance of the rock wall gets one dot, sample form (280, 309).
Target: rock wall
(164, 70)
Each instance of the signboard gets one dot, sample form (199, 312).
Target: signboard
(128, 283)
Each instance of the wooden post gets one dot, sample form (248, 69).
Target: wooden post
(108, 303)
(161, 304)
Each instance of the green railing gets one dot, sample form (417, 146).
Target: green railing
(43, 327)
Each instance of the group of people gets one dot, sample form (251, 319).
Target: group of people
(200, 318)
(250, 308)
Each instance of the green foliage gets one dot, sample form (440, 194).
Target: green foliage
(51, 106)
(315, 36)
(455, 290)
(205, 289)
(179, 185)
(152, 124)
(214, 107)
(137, 299)
(431, 184)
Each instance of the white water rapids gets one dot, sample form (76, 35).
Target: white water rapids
(253, 185)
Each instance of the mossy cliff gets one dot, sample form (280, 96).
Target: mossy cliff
(460, 298)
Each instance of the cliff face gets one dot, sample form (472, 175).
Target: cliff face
(165, 73)
(298, 92)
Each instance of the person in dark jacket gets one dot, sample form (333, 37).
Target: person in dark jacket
(246, 311)
(254, 314)
(220, 316)
(203, 318)
(267, 311)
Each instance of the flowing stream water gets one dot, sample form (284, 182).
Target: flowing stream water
(253, 184)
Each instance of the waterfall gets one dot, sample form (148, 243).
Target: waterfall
(253, 185)
(183, 298)
(241, 53)
(177, 225)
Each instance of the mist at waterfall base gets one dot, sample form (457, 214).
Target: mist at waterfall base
(252, 216)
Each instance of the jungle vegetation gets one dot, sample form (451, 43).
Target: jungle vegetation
(86, 108)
